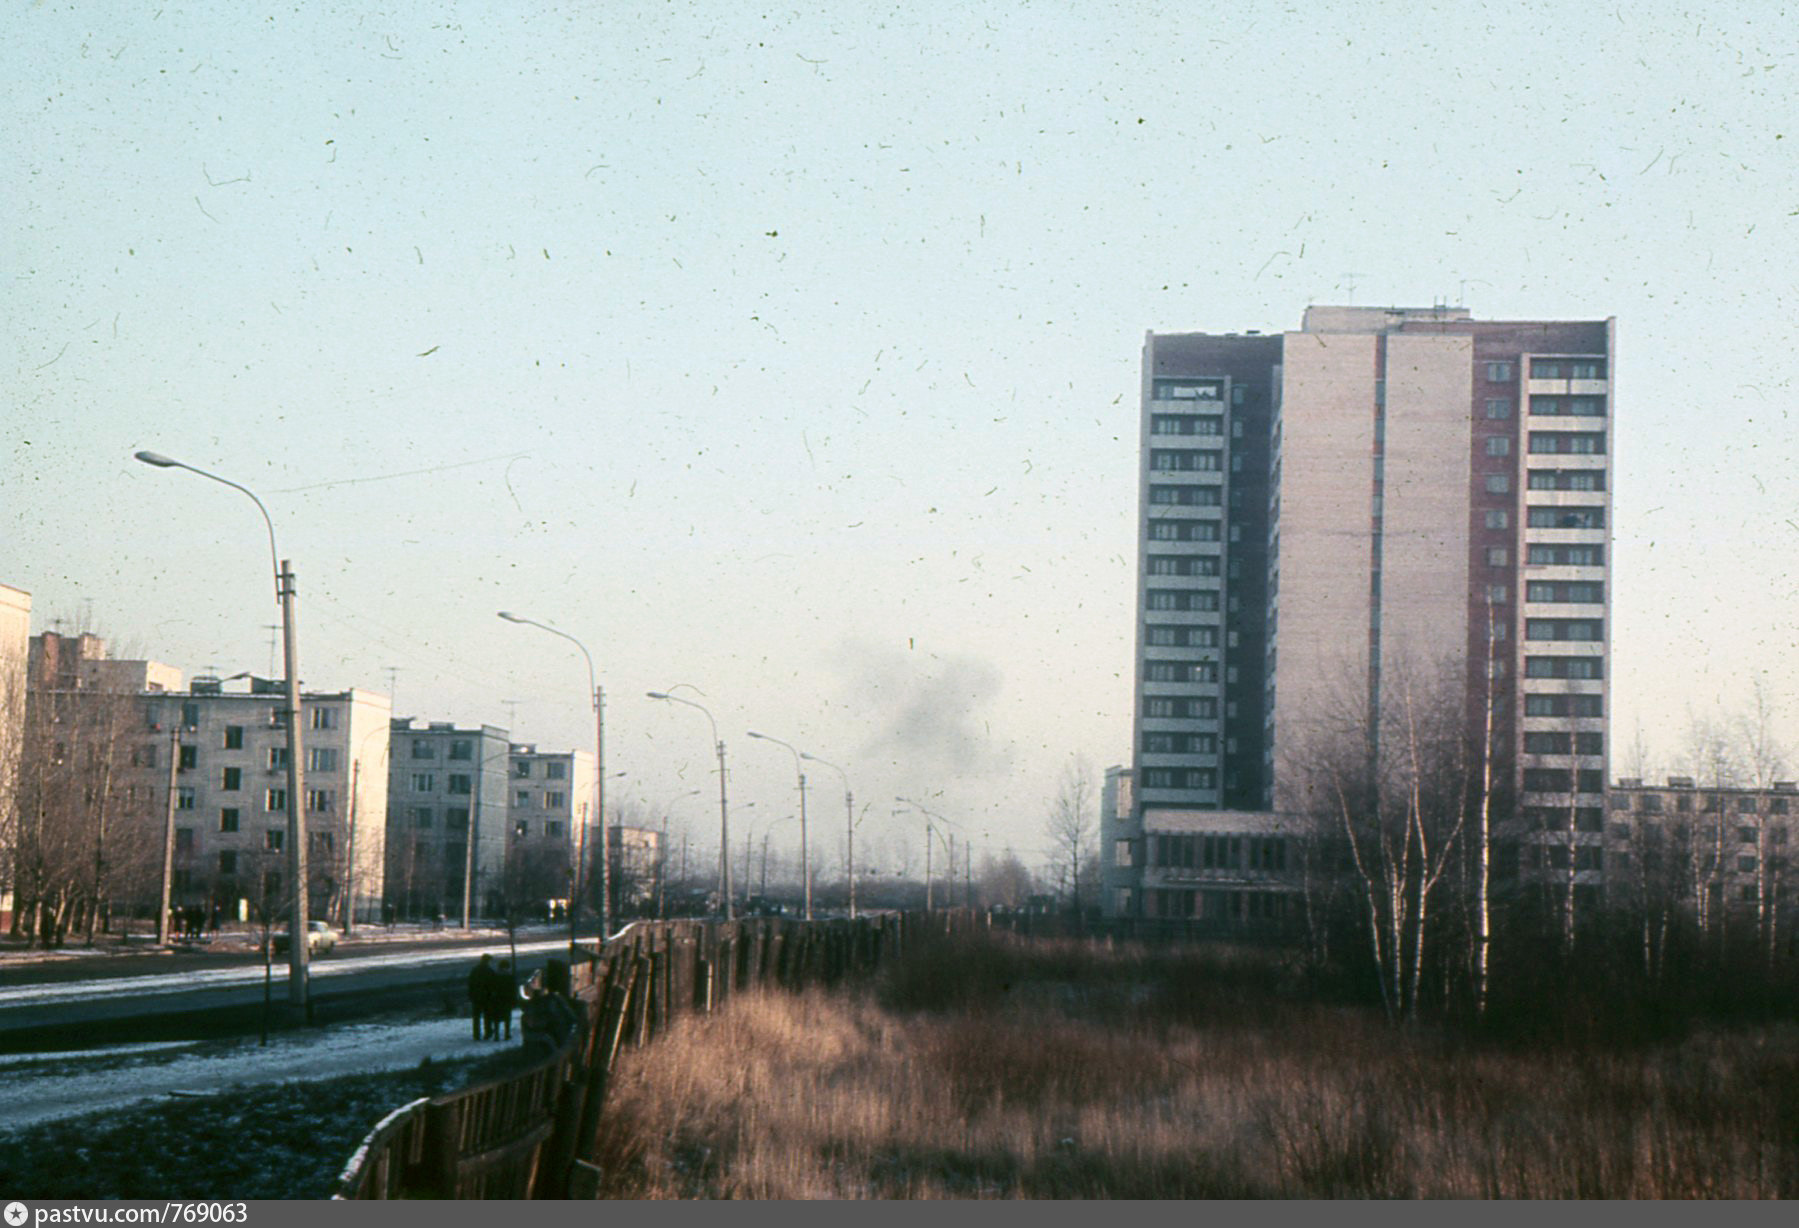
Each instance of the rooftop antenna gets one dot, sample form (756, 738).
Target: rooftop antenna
(1348, 281)
(393, 682)
(273, 631)
(511, 706)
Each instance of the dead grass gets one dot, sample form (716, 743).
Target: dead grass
(1098, 1087)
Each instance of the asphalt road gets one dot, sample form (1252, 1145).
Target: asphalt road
(179, 996)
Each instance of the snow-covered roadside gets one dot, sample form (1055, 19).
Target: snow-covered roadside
(43, 1087)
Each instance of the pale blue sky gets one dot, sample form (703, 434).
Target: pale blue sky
(795, 356)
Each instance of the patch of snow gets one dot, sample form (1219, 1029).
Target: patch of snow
(99, 1080)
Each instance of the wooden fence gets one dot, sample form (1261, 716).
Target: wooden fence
(530, 1134)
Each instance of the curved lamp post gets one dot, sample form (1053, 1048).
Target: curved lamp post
(805, 856)
(297, 951)
(849, 827)
(599, 797)
(724, 820)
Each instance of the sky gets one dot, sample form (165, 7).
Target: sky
(794, 356)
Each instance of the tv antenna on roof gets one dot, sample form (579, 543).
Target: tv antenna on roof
(1347, 281)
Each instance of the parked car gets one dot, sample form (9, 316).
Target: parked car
(321, 938)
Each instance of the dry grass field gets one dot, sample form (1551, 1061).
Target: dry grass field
(1061, 1071)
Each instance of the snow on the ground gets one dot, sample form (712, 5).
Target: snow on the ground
(43, 1087)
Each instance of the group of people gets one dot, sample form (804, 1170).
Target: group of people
(549, 1013)
(492, 996)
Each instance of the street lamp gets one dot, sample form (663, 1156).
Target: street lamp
(805, 856)
(297, 951)
(849, 828)
(599, 798)
(928, 830)
(724, 819)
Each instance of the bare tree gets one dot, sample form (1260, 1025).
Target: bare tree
(1390, 795)
(1073, 824)
(1764, 759)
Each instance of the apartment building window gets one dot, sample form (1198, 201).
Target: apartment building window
(1746, 805)
(1586, 368)
(1498, 594)
(555, 771)
(1546, 368)
(461, 783)
(456, 819)
(1777, 805)
(423, 748)
(273, 839)
(228, 863)
(144, 756)
(324, 842)
(1499, 372)
(190, 716)
(1498, 408)
(521, 768)
(1497, 483)
(522, 797)
(277, 757)
(276, 800)
(1567, 443)
(1498, 518)
(1169, 599)
(1544, 554)
(324, 718)
(231, 779)
(184, 798)
(1498, 445)
(321, 759)
(1547, 780)
(1498, 556)
(1746, 835)
(190, 756)
(1567, 479)
(552, 830)
(321, 801)
(421, 817)
(521, 829)
(1180, 671)
(1567, 518)
(1566, 592)
(1547, 743)
(423, 782)
(1580, 668)
(555, 801)
(234, 737)
(1583, 629)
(1589, 743)
(462, 749)
(1183, 460)
(228, 819)
(184, 839)
(1185, 496)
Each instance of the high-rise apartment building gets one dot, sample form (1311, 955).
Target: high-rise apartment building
(1384, 499)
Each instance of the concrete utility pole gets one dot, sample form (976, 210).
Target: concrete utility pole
(168, 834)
(849, 828)
(599, 797)
(805, 859)
(724, 813)
(285, 593)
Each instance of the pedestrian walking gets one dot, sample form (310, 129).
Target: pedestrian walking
(480, 995)
(500, 1005)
